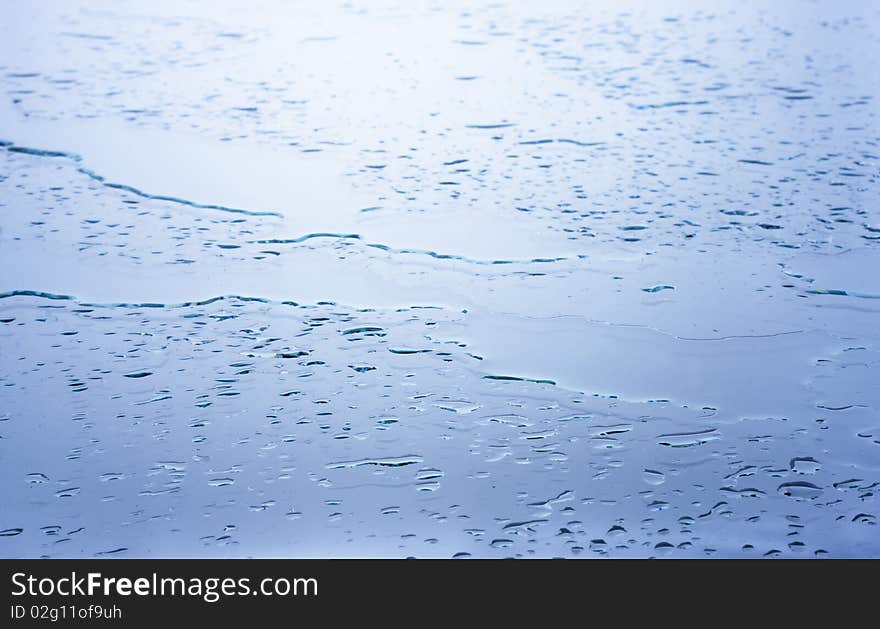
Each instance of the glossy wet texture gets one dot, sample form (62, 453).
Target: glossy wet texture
(439, 280)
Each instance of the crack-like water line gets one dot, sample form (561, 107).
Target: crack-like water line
(26, 150)
(78, 159)
(410, 251)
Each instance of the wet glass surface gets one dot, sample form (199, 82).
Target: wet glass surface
(451, 279)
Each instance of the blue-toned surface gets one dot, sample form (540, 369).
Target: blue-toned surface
(439, 279)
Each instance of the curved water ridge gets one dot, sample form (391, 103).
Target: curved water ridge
(310, 193)
(26, 150)
(335, 403)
